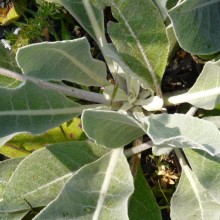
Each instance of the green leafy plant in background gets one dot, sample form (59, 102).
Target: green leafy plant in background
(38, 26)
(91, 178)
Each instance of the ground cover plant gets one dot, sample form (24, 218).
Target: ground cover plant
(129, 102)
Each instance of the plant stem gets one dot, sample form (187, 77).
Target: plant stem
(66, 90)
(167, 201)
(192, 111)
(137, 149)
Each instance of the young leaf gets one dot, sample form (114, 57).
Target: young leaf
(99, 190)
(66, 60)
(120, 67)
(47, 170)
(146, 54)
(111, 129)
(142, 204)
(206, 91)
(192, 199)
(183, 131)
(29, 108)
(120, 95)
(196, 24)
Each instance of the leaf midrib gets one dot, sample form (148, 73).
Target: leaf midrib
(40, 112)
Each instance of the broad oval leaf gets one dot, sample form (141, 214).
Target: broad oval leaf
(39, 177)
(142, 42)
(111, 129)
(196, 24)
(205, 93)
(99, 190)
(183, 131)
(62, 60)
(200, 188)
(30, 108)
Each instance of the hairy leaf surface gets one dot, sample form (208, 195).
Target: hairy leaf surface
(208, 83)
(141, 42)
(87, 196)
(205, 93)
(47, 170)
(196, 24)
(183, 131)
(7, 167)
(200, 188)
(30, 108)
(206, 168)
(66, 60)
(101, 124)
